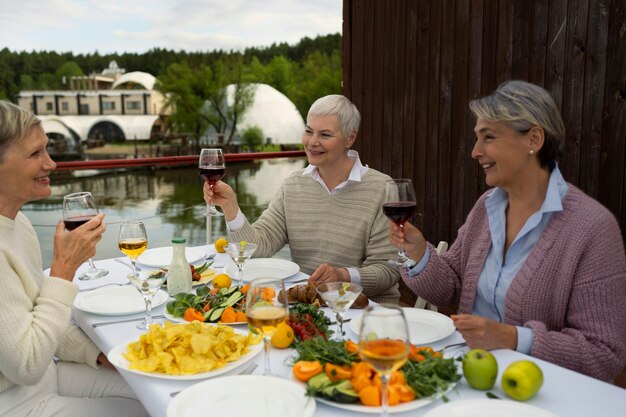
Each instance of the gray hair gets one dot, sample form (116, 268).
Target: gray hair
(337, 105)
(15, 124)
(523, 106)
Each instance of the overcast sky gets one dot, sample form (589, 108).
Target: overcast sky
(86, 26)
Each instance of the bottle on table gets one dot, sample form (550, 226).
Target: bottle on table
(179, 272)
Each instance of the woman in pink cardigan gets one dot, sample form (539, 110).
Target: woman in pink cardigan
(538, 266)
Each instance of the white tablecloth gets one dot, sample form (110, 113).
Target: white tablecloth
(565, 393)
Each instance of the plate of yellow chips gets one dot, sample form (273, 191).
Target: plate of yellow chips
(187, 351)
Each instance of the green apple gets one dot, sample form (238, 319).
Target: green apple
(480, 369)
(521, 380)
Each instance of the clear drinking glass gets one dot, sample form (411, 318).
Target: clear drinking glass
(78, 209)
(266, 308)
(147, 283)
(240, 253)
(399, 205)
(212, 169)
(132, 241)
(339, 297)
(384, 344)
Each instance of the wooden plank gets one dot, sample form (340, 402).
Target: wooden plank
(612, 187)
(459, 155)
(520, 39)
(593, 97)
(539, 36)
(504, 43)
(573, 86)
(409, 95)
(395, 100)
(356, 66)
(378, 83)
(369, 103)
(347, 48)
(555, 54)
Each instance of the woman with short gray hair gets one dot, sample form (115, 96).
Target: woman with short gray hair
(35, 321)
(538, 266)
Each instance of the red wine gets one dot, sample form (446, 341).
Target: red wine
(399, 211)
(74, 222)
(212, 175)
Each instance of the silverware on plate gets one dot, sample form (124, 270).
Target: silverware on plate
(104, 285)
(127, 264)
(106, 323)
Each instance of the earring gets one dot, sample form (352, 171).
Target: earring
(531, 152)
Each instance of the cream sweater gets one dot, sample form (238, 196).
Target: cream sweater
(345, 229)
(35, 311)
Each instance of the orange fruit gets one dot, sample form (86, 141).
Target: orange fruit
(284, 336)
(220, 244)
(222, 281)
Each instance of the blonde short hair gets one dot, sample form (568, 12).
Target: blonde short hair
(522, 106)
(15, 124)
(339, 106)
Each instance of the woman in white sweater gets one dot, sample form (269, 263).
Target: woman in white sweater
(47, 365)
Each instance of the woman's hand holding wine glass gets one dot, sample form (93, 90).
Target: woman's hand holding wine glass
(212, 169)
(78, 209)
(384, 344)
(399, 206)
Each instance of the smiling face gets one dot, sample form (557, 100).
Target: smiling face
(503, 153)
(324, 144)
(25, 168)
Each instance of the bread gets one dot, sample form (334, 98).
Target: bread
(306, 293)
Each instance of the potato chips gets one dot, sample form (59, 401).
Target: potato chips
(190, 348)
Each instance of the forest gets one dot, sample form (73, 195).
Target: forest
(303, 72)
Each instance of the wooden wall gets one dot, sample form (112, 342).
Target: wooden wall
(412, 66)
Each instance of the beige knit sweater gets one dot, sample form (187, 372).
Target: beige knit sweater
(35, 311)
(345, 229)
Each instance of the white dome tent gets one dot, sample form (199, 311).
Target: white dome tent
(273, 113)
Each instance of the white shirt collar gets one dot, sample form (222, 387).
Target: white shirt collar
(356, 173)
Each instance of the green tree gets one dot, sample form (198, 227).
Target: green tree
(252, 137)
(66, 71)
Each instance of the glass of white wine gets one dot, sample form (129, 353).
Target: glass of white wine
(339, 297)
(384, 344)
(266, 308)
(132, 241)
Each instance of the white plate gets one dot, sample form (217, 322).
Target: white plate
(116, 357)
(243, 395)
(487, 408)
(425, 326)
(182, 320)
(162, 257)
(264, 267)
(116, 300)
(399, 408)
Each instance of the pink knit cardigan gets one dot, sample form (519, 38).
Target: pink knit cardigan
(571, 291)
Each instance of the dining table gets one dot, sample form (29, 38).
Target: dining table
(564, 393)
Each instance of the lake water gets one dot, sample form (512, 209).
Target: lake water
(168, 200)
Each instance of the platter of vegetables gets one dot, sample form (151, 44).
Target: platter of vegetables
(225, 305)
(334, 374)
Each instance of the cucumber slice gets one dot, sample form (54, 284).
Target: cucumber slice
(236, 296)
(214, 314)
(228, 291)
(344, 393)
(319, 382)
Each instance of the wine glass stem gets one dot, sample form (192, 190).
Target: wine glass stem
(148, 300)
(92, 267)
(132, 262)
(401, 253)
(339, 326)
(267, 371)
(384, 382)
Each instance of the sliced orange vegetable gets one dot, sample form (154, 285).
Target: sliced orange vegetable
(360, 381)
(351, 346)
(337, 372)
(397, 377)
(362, 368)
(405, 393)
(268, 293)
(245, 288)
(229, 315)
(192, 314)
(394, 397)
(415, 354)
(370, 396)
(305, 370)
(241, 316)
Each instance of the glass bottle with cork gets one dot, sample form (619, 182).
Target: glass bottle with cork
(179, 272)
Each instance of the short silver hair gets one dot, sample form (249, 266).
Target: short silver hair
(522, 106)
(337, 105)
(15, 124)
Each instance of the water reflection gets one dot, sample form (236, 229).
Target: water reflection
(168, 201)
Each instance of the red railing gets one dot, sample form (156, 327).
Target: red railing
(170, 160)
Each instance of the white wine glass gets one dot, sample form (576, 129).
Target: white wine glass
(399, 205)
(384, 344)
(132, 241)
(266, 308)
(339, 297)
(148, 283)
(240, 253)
(212, 169)
(78, 209)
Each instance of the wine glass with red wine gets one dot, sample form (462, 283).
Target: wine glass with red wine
(78, 209)
(212, 169)
(400, 205)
